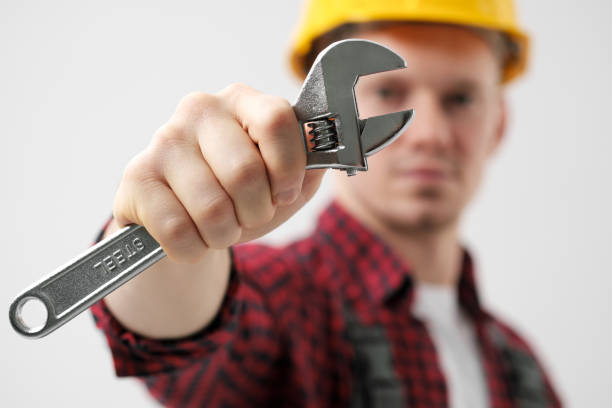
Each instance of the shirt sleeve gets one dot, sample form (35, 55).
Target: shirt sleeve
(236, 352)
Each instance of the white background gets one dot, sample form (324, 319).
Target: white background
(83, 86)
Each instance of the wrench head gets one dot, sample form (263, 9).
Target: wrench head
(328, 91)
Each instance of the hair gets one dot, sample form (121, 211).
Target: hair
(504, 49)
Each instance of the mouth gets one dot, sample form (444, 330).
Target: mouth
(424, 174)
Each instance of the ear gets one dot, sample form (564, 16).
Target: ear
(500, 126)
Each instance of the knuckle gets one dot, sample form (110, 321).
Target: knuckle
(266, 215)
(253, 217)
(234, 89)
(169, 136)
(176, 232)
(216, 211)
(246, 172)
(217, 223)
(224, 239)
(132, 169)
(140, 167)
(195, 100)
(278, 115)
(289, 178)
(258, 218)
(195, 106)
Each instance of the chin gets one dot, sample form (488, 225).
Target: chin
(418, 215)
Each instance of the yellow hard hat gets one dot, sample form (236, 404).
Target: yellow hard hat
(322, 16)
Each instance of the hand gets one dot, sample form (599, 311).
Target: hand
(226, 168)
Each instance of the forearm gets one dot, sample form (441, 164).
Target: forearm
(171, 300)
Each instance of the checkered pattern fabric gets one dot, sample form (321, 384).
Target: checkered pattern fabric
(324, 321)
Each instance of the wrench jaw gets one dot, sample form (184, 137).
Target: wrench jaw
(334, 136)
(380, 131)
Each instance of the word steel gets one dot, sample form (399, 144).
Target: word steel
(74, 287)
(120, 256)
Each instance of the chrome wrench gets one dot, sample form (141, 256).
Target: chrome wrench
(334, 137)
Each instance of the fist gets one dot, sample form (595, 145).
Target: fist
(226, 168)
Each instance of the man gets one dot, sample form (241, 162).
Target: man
(379, 306)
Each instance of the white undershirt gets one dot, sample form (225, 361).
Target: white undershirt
(455, 341)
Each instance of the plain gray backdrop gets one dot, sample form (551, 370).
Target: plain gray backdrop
(84, 85)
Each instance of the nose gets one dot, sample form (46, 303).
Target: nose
(430, 131)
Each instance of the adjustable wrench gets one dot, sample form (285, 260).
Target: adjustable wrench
(334, 137)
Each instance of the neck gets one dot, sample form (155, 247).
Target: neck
(434, 255)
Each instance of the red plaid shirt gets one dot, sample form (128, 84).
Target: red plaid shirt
(324, 321)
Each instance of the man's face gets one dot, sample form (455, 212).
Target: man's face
(425, 178)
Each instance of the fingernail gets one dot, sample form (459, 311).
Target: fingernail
(287, 196)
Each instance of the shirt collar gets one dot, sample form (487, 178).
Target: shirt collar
(381, 273)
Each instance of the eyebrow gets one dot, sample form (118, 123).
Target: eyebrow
(465, 84)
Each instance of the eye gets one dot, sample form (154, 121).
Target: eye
(458, 100)
(385, 92)
(391, 93)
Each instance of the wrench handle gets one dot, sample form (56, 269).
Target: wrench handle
(74, 287)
